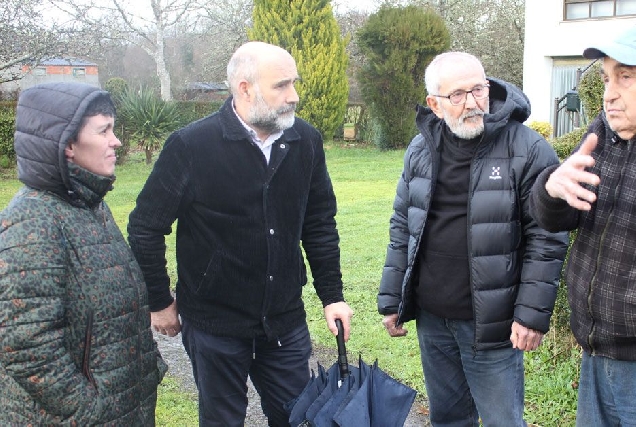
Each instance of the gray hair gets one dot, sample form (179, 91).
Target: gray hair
(432, 75)
(243, 65)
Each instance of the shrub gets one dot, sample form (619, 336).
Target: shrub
(148, 119)
(117, 88)
(195, 110)
(398, 43)
(7, 130)
(543, 128)
(591, 90)
(8, 106)
(564, 144)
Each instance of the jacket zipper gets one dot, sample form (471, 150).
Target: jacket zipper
(86, 369)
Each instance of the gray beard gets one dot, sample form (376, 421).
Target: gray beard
(273, 124)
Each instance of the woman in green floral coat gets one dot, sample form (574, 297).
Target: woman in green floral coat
(75, 341)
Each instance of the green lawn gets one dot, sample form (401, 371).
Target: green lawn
(364, 180)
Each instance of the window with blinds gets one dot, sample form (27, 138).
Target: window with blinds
(585, 9)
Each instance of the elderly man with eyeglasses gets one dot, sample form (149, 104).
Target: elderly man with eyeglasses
(465, 260)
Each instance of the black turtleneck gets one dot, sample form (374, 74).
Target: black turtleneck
(444, 279)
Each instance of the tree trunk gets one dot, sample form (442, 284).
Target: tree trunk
(162, 71)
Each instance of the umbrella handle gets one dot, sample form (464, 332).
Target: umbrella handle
(343, 364)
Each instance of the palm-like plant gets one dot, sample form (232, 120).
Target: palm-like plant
(148, 118)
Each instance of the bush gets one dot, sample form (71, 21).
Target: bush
(8, 106)
(564, 144)
(195, 110)
(543, 128)
(591, 90)
(7, 130)
(148, 119)
(398, 43)
(117, 88)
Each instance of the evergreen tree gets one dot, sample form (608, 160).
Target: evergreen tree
(308, 30)
(398, 43)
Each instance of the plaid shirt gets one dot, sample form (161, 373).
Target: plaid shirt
(601, 270)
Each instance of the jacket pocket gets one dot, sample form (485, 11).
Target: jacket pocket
(211, 270)
(86, 369)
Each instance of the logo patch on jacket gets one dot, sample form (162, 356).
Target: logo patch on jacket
(495, 173)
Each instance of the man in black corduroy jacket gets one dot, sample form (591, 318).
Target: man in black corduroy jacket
(247, 185)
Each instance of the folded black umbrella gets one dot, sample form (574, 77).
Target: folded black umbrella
(320, 389)
(340, 398)
(297, 408)
(381, 401)
(346, 396)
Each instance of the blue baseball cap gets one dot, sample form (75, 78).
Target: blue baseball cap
(622, 48)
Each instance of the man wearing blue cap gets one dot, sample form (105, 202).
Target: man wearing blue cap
(594, 191)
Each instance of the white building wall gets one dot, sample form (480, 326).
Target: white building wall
(549, 37)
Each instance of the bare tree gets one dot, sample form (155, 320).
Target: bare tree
(25, 38)
(492, 30)
(223, 26)
(146, 24)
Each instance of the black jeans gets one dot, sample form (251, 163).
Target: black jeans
(221, 365)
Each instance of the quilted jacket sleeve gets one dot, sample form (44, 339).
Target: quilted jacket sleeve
(390, 293)
(544, 251)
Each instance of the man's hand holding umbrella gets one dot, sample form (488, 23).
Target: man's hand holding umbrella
(342, 311)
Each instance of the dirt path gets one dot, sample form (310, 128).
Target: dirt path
(180, 369)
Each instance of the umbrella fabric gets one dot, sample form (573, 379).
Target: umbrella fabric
(333, 385)
(298, 407)
(381, 401)
(324, 418)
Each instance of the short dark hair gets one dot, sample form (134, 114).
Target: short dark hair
(101, 105)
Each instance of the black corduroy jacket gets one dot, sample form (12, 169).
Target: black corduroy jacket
(240, 224)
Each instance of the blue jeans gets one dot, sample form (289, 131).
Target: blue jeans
(463, 384)
(221, 365)
(607, 392)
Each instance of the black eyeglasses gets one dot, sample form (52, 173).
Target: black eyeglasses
(459, 96)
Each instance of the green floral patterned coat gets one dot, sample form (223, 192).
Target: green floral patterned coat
(75, 341)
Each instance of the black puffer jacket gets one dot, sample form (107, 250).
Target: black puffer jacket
(75, 341)
(514, 264)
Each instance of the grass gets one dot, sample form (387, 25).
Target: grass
(175, 407)
(364, 180)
